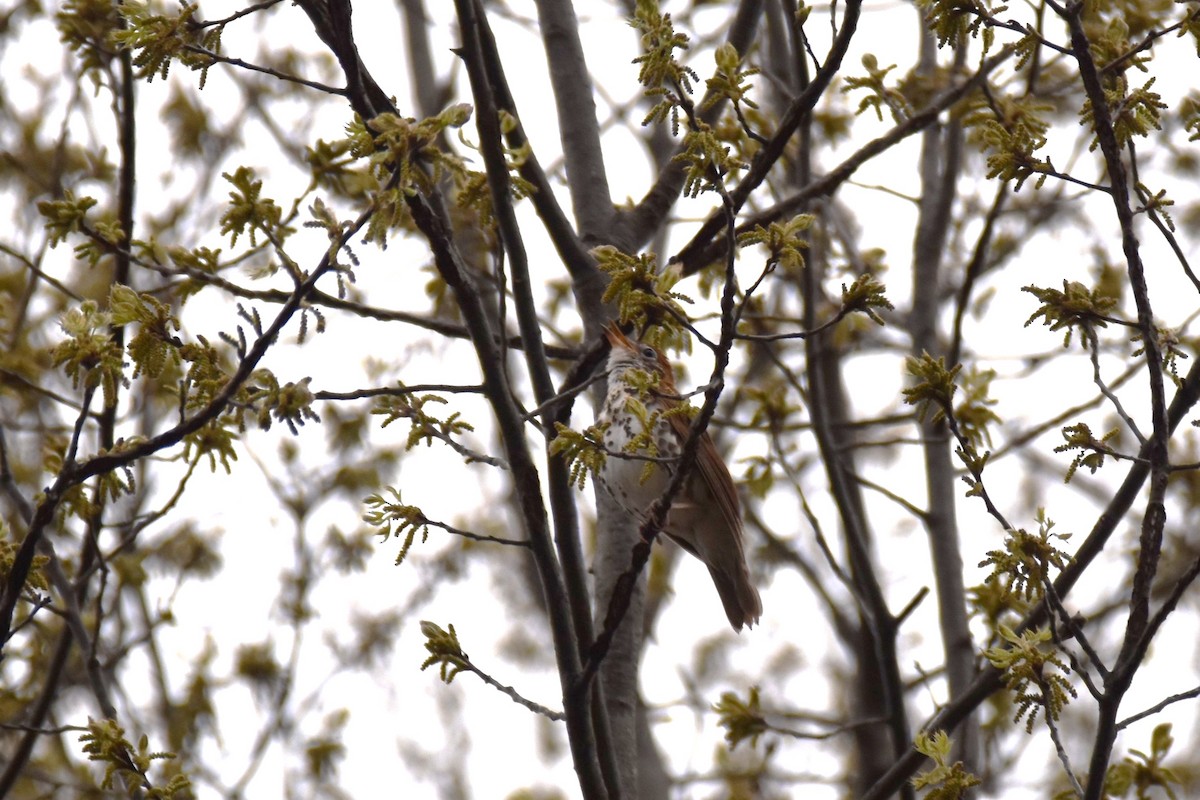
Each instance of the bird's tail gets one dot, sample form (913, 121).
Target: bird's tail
(742, 604)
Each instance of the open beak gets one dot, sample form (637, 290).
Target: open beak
(616, 338)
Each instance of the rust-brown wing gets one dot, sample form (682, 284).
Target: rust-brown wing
(711, 469)
(716, 542)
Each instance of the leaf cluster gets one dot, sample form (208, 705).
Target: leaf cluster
(207, 372)
(1145, 771)
(395, 518)
(423, 426)
(324, 218)
(935, 386)
(1190, 110)
(249, 211)
(1029, 674)
(403, 153)
(1091, 450)
(35, 579)
(973, 413)
(663, 76)
(759, 475)
(879, 94)
(215, 440)
(153, 348)
(332, 166)
(741, 719)
(474, 191)
(1075, 307)
(158, 39)
(865, 295)
(991, 600)
(257, 666)
(87, 27)
(1023, 567)
(645, 441)
(444, 650)
(783, 241)
(1012, 130)
(1156, 203)
(944, 780)
(64, 216)
(185, 260)
(729, 81)
(1133, 113)
(1191, 27)
(771, 406)
(105, 742)
(583, 451)
(643, 294)
(323, 752)
(1109, 40)
(953, 20)
(90, 355)
(708, 160)
(290, 403)
(1171, 348)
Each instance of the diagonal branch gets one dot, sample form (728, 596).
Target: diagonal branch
(765, 159)
(989, 680)
(74, 473)
(647, 218)
(705, 247)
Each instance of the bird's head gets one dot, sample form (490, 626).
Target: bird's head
(627, 355)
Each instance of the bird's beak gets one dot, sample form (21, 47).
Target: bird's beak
(616, 338)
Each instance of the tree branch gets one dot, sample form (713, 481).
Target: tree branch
(587, 178)
(1134, 643)
(765, 159)
(647, 217)
(990, 679)
(72, 473)
(703, 248)
(562, 499)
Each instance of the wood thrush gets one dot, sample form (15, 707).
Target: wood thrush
(705, 519)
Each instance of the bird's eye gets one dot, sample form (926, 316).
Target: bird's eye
(648, 352)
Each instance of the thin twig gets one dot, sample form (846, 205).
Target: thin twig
(1058, 744)
(1157, 707)
(564, 394)
(1075, 632)
(9, 484)
(1181, 586)
(1166, 231)
(477, 537)
(72, 473)
(274, 73)
(778, 337)
(402, 390)
(704, 248)
(537, 708)
(975, 268)
(237, 14)
(847, 727)
(1093, 341)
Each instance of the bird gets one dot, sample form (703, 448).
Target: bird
(705, 518)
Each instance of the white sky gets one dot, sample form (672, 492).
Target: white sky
(400, 700)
